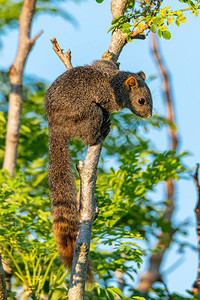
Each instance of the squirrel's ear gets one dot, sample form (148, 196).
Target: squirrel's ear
(142, 75)
(131, 82)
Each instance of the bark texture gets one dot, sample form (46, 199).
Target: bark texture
(88, 173)
(25, 44)
(153, 273)
(119, 39)
(196, 285)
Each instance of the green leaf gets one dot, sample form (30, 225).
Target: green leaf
(129, 39)
(39, 179)
(116, 20)
(166, 35)
(153, 28)
(159, 33)
(163, 28)
(125, 26)
(126, 31)
(99, 1)
(25, 129)
(158, 21)
(130, 4)
(116, 291)
(182, 19)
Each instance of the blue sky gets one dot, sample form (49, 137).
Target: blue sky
(88, 42)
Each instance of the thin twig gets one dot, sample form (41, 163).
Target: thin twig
(167, 92)
(138, 36)
(167, 290)
(196, 285)
(37, 36)
(65, 57)
(196, 181)
(174, 266)
(134, 34)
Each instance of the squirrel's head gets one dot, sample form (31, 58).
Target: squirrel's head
(139, 95)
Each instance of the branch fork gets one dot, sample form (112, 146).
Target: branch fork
(15, 76)
(65, 57)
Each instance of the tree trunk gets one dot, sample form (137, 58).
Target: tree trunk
(25, 45)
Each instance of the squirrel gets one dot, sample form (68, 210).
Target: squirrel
(78, 104)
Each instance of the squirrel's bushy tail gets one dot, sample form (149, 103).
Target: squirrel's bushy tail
(63, 196)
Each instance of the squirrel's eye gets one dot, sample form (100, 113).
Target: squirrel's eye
(141, 101)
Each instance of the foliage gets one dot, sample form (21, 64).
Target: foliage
(158, 293)
(26, 239)
(155, 14)
(10, 11)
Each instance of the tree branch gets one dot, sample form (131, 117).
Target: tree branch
(65, 57)
(36, 36)
(166, 288)
(137, 33)
(119, 39)
(196, 285)
(15, 76)
(167, 93)
(153, 273)
(88, 175)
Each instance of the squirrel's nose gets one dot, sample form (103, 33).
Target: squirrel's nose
(149, 115)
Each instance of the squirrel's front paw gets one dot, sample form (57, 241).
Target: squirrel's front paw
(91, 140)
(92, 136)
(105, 128)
